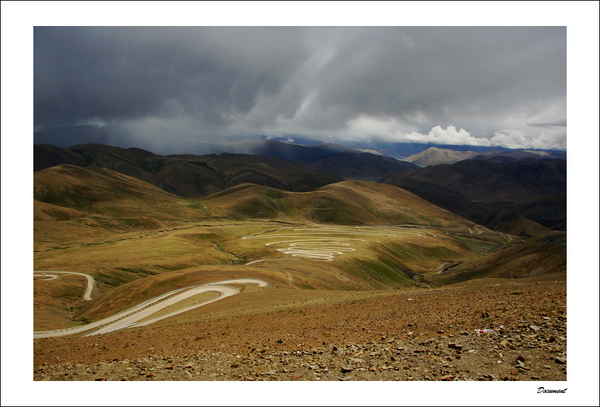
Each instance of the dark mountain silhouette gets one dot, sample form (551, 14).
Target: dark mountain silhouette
(354, 164)
(483, 181)
(513, 223)
(344, 161)
(189, 175)
(291, 152)
(476, 189)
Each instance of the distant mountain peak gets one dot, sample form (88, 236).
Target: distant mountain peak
(436, 156)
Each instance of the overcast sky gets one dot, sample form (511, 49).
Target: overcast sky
(155, 86)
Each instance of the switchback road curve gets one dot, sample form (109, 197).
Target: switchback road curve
(87, 295)
(141, 311)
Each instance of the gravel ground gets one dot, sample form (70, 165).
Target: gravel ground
(428, 335)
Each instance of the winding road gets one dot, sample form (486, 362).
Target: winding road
(132, 316)
(326, 243)
(321, 244)
(87, 295)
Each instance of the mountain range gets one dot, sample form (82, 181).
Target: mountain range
(478, 189)
(437, 156)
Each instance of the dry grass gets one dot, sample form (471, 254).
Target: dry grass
(137, 266)
(140, 242)
(342, 203)
(55, 300)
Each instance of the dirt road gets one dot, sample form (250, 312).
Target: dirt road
(141, 311)
(87, 295)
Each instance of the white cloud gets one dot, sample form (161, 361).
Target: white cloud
(521, 139)
(509, 138)
(449, 135)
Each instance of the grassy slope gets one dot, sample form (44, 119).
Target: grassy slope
(105, 223)
(343, 203)
(101, 192)
(188, 175)
(76, 204)
(527, 260)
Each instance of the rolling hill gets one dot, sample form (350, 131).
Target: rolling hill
(513, 223)
(361, 165)
(188, 175)
(477, 189)
(92, 197)
(521, 182)
(522, 261)
(343, 203)
(75, 203)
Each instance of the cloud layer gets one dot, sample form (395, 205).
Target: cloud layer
(163, 86)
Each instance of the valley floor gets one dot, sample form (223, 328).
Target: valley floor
(406, 335)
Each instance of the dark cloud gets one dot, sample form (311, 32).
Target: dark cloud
(392, 83)
(562, 123)
(121, 73)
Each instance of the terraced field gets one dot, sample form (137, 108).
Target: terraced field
(326, 243)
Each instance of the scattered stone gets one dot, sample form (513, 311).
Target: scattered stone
(560, 361)
(346, 369)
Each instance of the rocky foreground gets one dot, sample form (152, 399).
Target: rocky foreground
(497, 330)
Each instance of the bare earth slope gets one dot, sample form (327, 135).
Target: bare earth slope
(297, 335)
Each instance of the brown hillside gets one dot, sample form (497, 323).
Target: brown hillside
(513, 223)
(74, 203)
(436, 156)
(344, 203)
(188, 175)
(526, 260)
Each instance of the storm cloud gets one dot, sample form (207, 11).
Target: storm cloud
(159, 87)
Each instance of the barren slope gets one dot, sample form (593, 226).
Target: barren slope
(318, 335)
